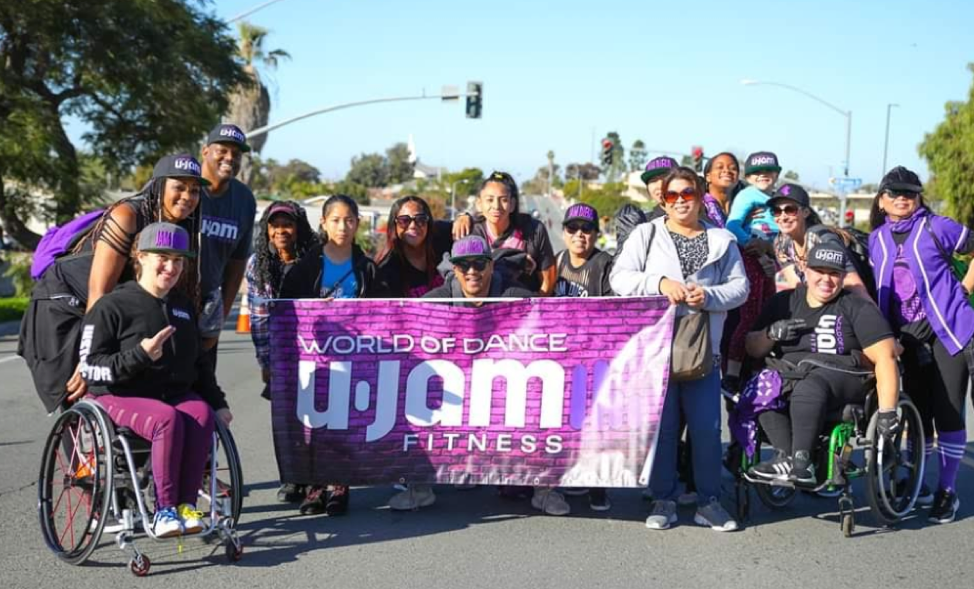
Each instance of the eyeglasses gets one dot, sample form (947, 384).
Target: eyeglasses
(405, 220)
(478, 264)
(790, 210)
(905, 194)
(672, 196)
(585, 227)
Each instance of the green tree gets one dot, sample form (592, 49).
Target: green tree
(369, 170)
(587, 171)
(791, 176)
(637, 156)
(143, 78)
(608, 199)
(399, 168)
(250, 103)
(949, 151)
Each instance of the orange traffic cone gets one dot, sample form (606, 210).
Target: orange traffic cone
(243, 317)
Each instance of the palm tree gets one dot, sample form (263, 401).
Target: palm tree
(250, 105)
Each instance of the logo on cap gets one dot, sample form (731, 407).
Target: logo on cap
(763, 160)
(581, 211)
(785, 190)
(234, 132)
(832, 256)
(188, 164)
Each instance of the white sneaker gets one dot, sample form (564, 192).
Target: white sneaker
(414, 497)
(166, 524)
(550, 502)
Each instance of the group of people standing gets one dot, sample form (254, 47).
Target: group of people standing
(161, 268)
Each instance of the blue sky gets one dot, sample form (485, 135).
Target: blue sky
(665, 72)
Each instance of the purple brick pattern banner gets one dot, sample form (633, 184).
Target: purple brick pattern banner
(547, 391)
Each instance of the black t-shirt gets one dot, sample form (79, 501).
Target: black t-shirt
(591, 279)
(845, 325)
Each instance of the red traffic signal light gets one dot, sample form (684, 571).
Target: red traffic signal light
(607, 148)
(697, 152)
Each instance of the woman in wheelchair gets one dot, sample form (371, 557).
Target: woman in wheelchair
(140, 351)
(821, 344)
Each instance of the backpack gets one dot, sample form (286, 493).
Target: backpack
(60, 240)
(626, 219)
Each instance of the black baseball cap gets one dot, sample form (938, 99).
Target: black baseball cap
(761, 161)
(180, 165)
(792, 192)
(227, 133)
(657, 167)
(165, 238)
(827, 254)
(901, 179)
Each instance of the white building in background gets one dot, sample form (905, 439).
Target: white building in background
(422, 171)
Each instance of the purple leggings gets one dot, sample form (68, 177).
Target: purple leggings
(181, 434)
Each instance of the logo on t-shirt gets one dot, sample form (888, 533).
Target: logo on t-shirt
(567, 288)
(220, 229)
(827, 338)
(181, 314)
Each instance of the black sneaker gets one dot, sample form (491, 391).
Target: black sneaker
(802, 469)
(314, 501)
(290, 493)
(945, 506)
(598, 500)
(337, 503)
(776, 469)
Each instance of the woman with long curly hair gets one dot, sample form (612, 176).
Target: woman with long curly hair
(283, 236)
(50, 331)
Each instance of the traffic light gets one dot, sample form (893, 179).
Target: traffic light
(697, 154)
(607, 148)
(475, 99)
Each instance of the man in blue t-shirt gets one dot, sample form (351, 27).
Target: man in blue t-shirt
(228, 210)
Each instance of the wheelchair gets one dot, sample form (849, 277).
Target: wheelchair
(893, 469)
(96, 477)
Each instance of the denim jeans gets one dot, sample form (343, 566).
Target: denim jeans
(700, 403)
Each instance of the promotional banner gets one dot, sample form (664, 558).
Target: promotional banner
(546, 391)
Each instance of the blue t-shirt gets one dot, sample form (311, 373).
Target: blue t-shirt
(338, 280)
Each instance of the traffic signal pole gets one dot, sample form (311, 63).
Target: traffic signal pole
(268, 128)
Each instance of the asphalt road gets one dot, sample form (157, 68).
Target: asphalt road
(468, 539)
(552, 213)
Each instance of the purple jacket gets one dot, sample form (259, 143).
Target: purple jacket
(944, 301)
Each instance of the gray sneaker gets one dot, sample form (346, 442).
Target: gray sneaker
(414, 497)
(714, 516)
(662, 516)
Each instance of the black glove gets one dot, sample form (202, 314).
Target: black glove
(786, 330)
(888, 423)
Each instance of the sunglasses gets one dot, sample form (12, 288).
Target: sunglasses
(790, 210)
(405, 220)
(586, 228)
(478, 264)
(672, 196)
(907, 195)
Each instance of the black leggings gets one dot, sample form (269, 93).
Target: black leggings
(797, 426)
(937, 388)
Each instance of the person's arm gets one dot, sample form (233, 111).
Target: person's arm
(259, 320)
(105, 363)
(854, 284)
(883, 356)
(758, 343)
(732, 292)
(111, 253)
(737, 218)
(787, 278)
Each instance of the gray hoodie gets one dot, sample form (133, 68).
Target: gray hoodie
(640, 266)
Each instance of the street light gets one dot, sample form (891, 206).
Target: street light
(848, 125)
(453, 197)
(889, 107)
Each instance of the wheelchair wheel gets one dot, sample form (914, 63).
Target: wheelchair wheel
(895, 470)
(229, 478)
(75, 485)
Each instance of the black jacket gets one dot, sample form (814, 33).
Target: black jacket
(113, 361)
(304, 279)
(500, 287)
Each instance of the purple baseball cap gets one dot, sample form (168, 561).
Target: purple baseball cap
(581, 212)
(657, 167)
(471, 246)
(165, 238)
